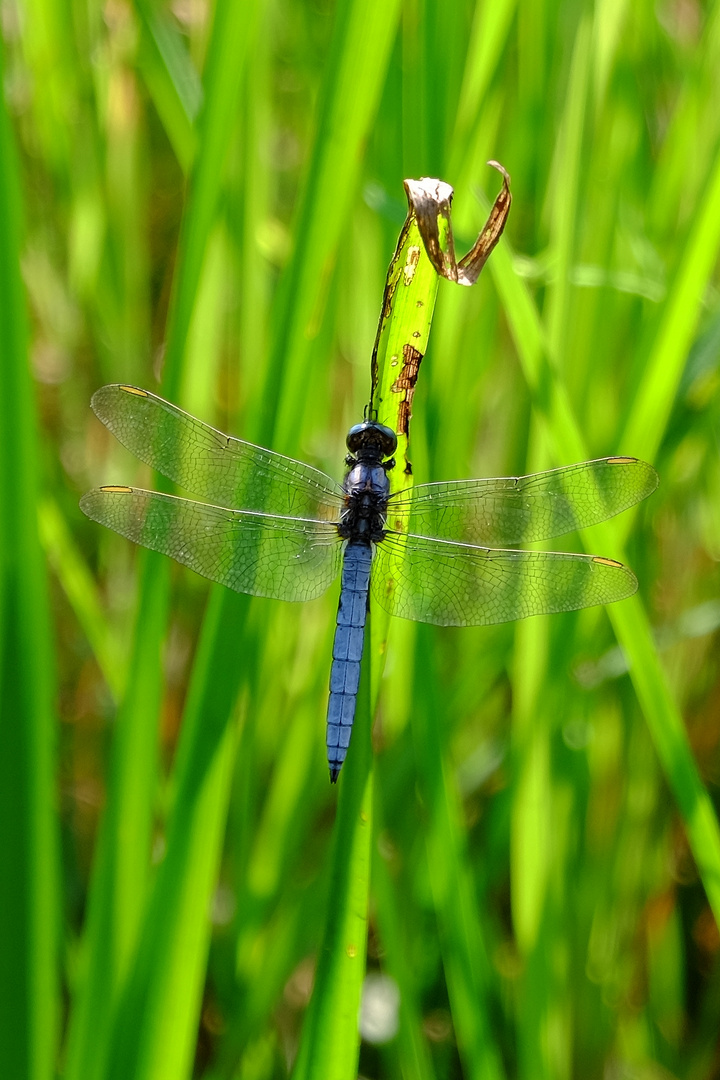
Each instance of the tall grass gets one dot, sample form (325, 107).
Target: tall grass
(29, 896)
(206, 201)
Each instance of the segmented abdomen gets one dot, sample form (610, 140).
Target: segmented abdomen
(347, 653)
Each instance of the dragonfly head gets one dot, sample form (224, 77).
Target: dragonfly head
(372, 440)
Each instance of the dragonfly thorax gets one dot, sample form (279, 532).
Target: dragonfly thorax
(366, 494)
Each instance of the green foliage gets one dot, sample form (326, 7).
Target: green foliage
(28, 852)
(205, 202)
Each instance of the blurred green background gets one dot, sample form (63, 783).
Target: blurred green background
(203, 200)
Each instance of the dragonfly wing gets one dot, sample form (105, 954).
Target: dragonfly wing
(260, 554)
(214, 466)
(459, 585)
(515, 510)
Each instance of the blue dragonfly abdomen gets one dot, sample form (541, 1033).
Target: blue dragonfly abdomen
(347, 652)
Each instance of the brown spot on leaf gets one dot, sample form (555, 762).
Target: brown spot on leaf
(405, 384)
(413, 258)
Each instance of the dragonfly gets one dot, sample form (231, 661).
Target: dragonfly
(444, 553)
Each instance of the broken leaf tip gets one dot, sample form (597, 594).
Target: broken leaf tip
(501, 169)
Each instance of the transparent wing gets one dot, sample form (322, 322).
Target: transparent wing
(261, 554)
(515, 510)
(458, 585)
(214, 466)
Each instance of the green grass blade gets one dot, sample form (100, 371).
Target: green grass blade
(650, 412)
(408, 303)
(403, 333)
(671, 743)
(80, 589)
(152, 1005)
(397, 945)
(359, 54)
(629, 619)
(488, 38)
(566, 171)
(531, 834)
(233, 30)
(465, 948)
(543, 1030)
(173, 83)
(120, 883)
(151, 1002)
(404, 328)
(29, 909)
(154, 1029)
(330, 1039)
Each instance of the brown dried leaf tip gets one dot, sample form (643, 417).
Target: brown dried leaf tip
(431, 200)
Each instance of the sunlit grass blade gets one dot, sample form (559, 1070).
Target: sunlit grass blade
(537, 854)
(530, 839)
(29, 908)
(670, 738)
(542, 1024)
(607, 27)
(650, 411)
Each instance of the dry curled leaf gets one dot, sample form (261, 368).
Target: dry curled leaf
(431, 200)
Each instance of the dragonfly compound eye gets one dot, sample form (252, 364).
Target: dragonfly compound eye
(372, 436)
